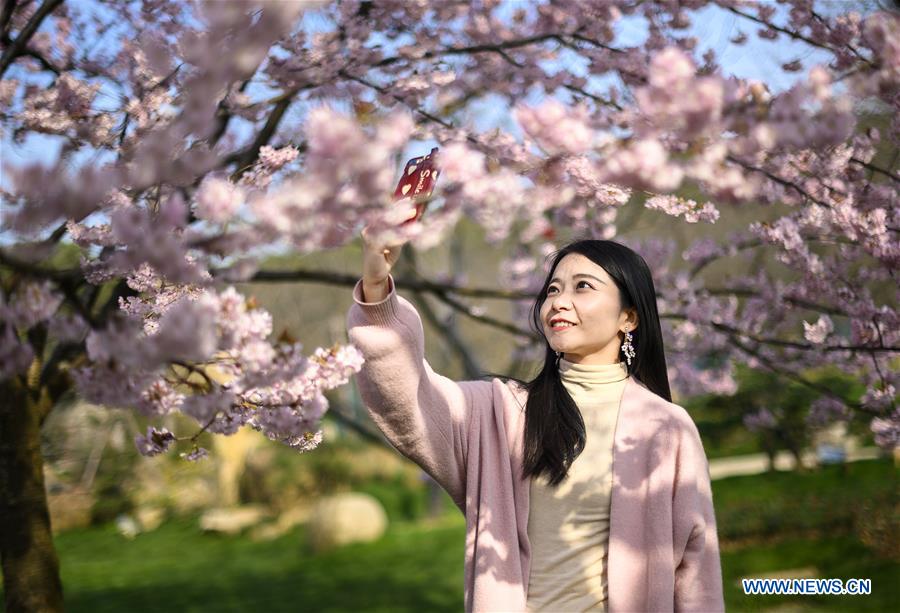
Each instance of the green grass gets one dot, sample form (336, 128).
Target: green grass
(767, 523)
(176, 568)
(832, 557)
(787, 520)
(832, 499)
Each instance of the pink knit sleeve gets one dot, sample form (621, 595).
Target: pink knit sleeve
(424, 415)
(698, 574)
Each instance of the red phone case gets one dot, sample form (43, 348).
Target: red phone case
(417, 183)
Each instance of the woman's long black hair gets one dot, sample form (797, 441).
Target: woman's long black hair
(554, 428)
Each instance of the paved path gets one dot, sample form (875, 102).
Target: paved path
(756, 463)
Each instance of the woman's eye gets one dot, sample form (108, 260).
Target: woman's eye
(576, 286)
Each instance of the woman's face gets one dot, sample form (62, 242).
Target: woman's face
(583, 293)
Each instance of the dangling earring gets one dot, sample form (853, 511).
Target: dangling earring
(628, 347)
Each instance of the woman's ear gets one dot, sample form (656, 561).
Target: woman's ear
(631, 320)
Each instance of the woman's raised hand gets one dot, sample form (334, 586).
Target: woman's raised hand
(378, 261)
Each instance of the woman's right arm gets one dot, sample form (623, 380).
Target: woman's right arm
(424, 415)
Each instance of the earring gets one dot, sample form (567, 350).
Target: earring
(628, 347)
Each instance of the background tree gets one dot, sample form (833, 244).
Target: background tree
(181, 141)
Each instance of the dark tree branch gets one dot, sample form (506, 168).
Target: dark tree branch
(447, 329)
(9, 6)
(599, 99)
(18, 46)
(366, 433)
(40, 272)
(877, 169)
(777, 342)
(223, 116)
(246, 157)
(418, 285)
(790, 33)
(444, 297)
(779, 180)
(494, 48)
(825, 391)
(451, 335)
(748, 293)
(429, 116)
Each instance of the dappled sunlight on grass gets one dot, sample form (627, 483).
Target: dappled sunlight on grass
(418, 566)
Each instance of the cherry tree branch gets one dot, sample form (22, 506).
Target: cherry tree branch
(748, 293)
(429, 116)
(790, 33)
(9, 7)
(34, 270)
(365, 432)
(791, 375)
(416, 285)
(781, 181)
(877, 169)
(468, 50)
(777, 342)
(444, 296)
(246, 157)
(18, 46)
(447, 329)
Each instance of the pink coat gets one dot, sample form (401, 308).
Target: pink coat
(469, 435)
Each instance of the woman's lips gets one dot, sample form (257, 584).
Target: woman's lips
(562, 328)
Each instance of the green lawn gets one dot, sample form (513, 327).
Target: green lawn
(176, 568)
(804, 523)
(835, 499)
(838, 557)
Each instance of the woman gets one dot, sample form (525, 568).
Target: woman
(585, 488)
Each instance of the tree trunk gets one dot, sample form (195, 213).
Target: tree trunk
(30, 566)
(771, 449)
(795, 451)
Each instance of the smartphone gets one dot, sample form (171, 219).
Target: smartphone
(417, 183)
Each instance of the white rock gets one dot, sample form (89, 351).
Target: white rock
(345, 518)
(232, 520)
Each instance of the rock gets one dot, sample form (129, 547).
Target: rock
(297, 514)
(127, 526)
(233, 520)
(267, 532)
(345, 518)
(149, 518)
(191, 496)
(69, 509)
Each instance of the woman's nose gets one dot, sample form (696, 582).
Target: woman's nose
(560, 301)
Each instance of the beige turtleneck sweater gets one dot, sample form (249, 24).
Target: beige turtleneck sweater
(568, 525)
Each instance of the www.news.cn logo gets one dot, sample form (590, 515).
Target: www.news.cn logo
(807, 586)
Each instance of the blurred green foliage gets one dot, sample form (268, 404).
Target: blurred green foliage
(720, 418)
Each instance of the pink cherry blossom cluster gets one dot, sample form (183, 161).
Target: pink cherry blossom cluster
(347, 180)
(556, 128)
(826, 410)
(764, 419)
(270, 161)
(683, 207)
(207, 355)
